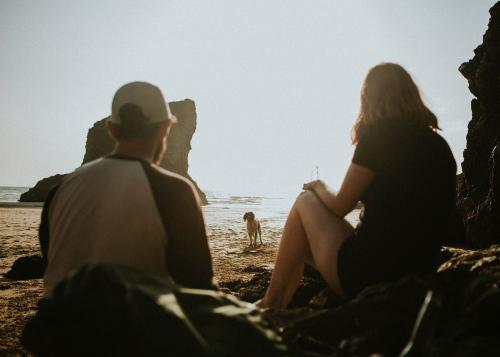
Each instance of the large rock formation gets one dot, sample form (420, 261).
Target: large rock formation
(479, 188)
(39, 192)
(99, 144)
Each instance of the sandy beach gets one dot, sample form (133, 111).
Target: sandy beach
(226, 232)
(18, 237)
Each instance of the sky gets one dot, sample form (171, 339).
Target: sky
(276, 83)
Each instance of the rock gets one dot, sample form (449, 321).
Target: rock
(251, 290)
(109, 310)
(479, 193)
(4, 286)
(310, 285)
(461, 318)
(39, 192)
(255, 269)
(99, 144)
(378, 320)
(255, 288)
(28, 267)
(325, 299)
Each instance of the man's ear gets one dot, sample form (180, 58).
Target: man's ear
(111, 129)
(165, 129)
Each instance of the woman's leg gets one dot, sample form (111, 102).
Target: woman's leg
(311, 234)
(289, 266)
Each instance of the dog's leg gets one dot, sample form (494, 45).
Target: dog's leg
(260, 234)
(250, 238)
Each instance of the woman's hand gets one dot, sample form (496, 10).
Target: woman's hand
(314, 185)
(356, 182)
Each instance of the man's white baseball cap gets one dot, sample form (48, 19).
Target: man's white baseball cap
(143, 98)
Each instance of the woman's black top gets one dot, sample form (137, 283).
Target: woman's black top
(406, 207)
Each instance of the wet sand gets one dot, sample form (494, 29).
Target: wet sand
(18, 237)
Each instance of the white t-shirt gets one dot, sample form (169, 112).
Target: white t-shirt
(121, 210)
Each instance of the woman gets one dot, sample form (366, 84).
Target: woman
(402, 171)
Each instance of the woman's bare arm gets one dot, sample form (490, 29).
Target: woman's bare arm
(356, 181)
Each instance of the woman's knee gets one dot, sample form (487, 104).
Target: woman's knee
(306, 197)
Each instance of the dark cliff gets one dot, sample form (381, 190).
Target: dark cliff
(99, 144)
(479, 188)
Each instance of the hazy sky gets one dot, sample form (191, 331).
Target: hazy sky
(276, 83)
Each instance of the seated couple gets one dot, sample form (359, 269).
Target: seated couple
(124, 209)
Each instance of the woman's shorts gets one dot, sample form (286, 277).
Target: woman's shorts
(363, 261)
(356, 265)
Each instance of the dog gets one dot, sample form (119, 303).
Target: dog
(253, 227)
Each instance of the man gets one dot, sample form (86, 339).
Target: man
(123, 208)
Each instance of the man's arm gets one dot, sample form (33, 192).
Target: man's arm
(188, 258)
(188, 255)
(43, 230)
(356, 181)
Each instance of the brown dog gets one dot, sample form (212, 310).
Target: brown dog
(253, 227)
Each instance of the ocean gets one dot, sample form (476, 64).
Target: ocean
(227, 208)
(11, 194)
(222, 208)
(272, 211)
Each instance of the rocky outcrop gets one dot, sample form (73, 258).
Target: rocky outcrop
(99, 144)
(479, 191)
(453, 312)
(39, 192)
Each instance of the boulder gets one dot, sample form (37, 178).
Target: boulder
(39, 192)
(453, 312)
(252, 290)
(99, 144)
(27, 267)
(479, 189)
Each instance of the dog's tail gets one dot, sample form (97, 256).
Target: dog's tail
(260, 232)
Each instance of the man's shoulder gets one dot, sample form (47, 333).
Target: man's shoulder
(96, 164)
(166, 174)
(168, 180)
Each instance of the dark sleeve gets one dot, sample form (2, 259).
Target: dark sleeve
(43, 230)
(188, 255)
(373, 150)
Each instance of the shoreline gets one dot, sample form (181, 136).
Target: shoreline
(21, 204)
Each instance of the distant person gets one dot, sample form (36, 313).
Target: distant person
(402, 171)
(124, 209)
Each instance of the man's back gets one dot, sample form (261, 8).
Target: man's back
(125, 211)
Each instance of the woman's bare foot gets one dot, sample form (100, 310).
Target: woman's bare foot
(262, 306)
(258, 303)
(267, 303)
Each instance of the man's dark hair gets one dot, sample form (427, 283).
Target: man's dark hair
(134, 124)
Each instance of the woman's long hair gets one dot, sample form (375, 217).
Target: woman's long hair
(389, 93)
